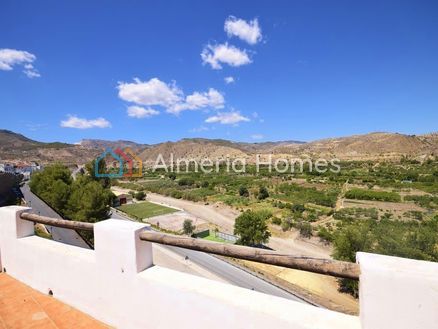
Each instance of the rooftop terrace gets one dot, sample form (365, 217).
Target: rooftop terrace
(118, 285)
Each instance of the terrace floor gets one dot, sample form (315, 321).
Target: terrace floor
(23, 307)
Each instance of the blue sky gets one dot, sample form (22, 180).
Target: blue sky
(134, 70)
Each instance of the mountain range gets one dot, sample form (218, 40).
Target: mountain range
(373, 146)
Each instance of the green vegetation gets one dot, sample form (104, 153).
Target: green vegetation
(243, 191)
(417, 240)
(302, 195)
(305, 229)
(426, 201)
(145, 210)
(356, 213)
(85, 199)
(252, 228)
(140, 196)
(214, 238)
(263, 193)
(188, 227)
(361, 194)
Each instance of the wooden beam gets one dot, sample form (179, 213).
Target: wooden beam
(57, 222)
(316, 265)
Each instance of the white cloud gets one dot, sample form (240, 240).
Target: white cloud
(224, 53)
(227, 118)
(169, 96)
(12, 57)
(249, 32)
(30, 71)
(140, 112)
(80, 123)
(257, 136)
(211, 98)
(229, 80)
(152, 92)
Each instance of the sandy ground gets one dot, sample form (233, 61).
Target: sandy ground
(321, 289)
(174, 222)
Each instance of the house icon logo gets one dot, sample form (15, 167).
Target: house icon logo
(125, 163)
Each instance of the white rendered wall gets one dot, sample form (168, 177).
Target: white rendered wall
(397, 292)
(118, 285)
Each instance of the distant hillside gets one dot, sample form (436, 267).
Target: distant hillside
(373, 146)
(18, 148)
(104, 144)
(242, 146)
(368, 146)
(194, 149)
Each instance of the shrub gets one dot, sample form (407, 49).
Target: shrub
(140, 195)
(305, 229)
(263, 193)
(243, 191)
(298, 208)
(276, 220)
(186, 182)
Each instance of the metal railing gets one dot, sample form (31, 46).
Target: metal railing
(331, 267)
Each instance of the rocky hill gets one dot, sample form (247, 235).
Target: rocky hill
(192, 149)
(104, 144)
(369, 146)
(373, 146)
(18, 148)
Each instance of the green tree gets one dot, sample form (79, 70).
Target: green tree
(305, 229)
(53, 185)
(243, 191)
(347, 242)
(252, 229)
(140, 195)
(263, 193)
(89, 201)
(188, 227)
(91, 171)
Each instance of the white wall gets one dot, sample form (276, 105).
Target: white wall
(118, 285)
(398, 292)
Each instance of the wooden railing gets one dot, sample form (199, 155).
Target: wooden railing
(316, 265)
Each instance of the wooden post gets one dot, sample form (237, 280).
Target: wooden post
(58, 222)
(316, 265)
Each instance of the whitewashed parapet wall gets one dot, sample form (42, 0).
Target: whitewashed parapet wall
(117, 284)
